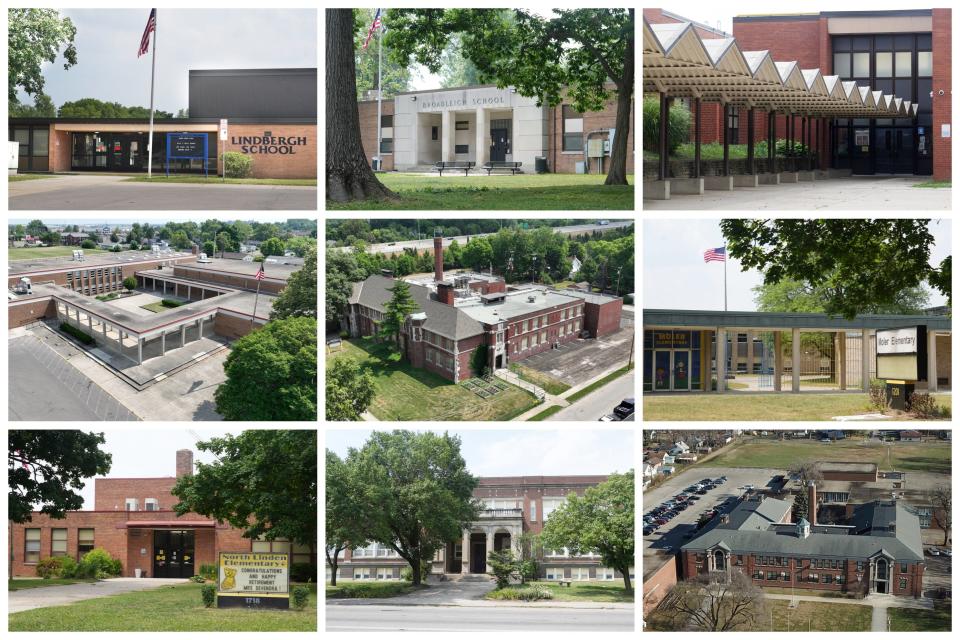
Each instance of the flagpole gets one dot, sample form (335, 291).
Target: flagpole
(379, 89)
(153, 71)
(255, 301)
(725, 278)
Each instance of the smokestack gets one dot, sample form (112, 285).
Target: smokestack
(438, 255)
(184, 463)
(812, 503)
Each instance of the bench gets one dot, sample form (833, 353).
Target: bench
(494, 165)
(456, 166)
(562, 583)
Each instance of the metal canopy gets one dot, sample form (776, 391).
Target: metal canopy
(677, 318)
(679, 63)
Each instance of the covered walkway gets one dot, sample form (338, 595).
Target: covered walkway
(678, 63)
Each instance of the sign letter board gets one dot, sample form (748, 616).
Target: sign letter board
(253, 580)
(902, 353)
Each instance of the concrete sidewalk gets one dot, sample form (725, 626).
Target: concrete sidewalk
(27, 599)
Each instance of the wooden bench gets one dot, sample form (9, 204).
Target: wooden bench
(494, 165)
(562, 583)
(456, 166)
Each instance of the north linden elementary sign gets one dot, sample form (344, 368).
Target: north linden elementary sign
(253, 580)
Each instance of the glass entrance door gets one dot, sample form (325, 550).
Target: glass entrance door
(109, 151)
(173, 555)
(671, 370)
(661, 371)
(681, 370)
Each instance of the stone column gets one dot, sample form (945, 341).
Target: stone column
(843, 360)
(490, 535)
(795, 368)
(465, 553)
(189, 292)
(183, 335)
(200, 330)
(721, 360)
(749, 349)
(163, 343)
(777, 361)
(931, 361)
(865, 359)
(447, 135)
(139, 350)
(483, 137)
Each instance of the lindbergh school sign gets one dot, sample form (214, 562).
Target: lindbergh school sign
(269, 144)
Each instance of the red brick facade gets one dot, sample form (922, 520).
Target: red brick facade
(942, 81)
(565, 161)
(59, 275)
(602, 319)
(368, 129)
(542, 329)
(299, 162)
(23, 313)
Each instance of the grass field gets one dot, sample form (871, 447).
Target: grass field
(776, 454)
(593, 386)
(18, 585)
(815, 616)
(408, 393)
(808, 406)
(157, 307)
(934, 184)
(24, 253)
(24, 177)
(168, 608)
(589, 592)
(546, 413)
(902, 619)
(368, 589)
(543, 380)
(282, 182)
(526, 192)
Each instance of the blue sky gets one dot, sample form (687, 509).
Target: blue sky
(495, 452)
(107, 41)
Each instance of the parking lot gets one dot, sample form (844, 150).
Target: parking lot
(938, 573)
(669, 537)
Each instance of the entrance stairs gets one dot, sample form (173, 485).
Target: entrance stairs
(469, 577)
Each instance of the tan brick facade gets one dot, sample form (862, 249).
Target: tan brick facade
(24, 313)
(272, 160)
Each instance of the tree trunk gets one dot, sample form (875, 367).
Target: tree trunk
(349, 176)
(333, 562)
(618, 155)
(415, 569)
(625, 571)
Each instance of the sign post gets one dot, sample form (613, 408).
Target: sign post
(253, 580)
(188, 146)
(223, 146)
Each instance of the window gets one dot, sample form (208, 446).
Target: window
(772, 575)
(826, 579)
(903, 567)
(904, 64)
(739, 561)
(280, 545)
(132, 504)
(22, 136)
(580, 573)
(861, 64)
(462, 125)
(903, 584)
(572, 129)
(859, 565)
(841, 64)
(434, 133)
(58, 542)
(361, 573)
(840, 579)
(41, 142)
(386, 145)
(924, 63)
(301, 553)
(31, 548)
(386, 121)
(533, 511)
(84, 541)
(549, 504)
(605, 573)
(384, 573)
(151, 504)
(733, 131)
(758, 575)
(884, 62)
(462, 148)
(555, 573)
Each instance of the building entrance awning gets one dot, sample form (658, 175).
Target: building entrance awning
(677, 62)
(167, 524)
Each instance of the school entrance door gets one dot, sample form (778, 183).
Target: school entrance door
(173, 555)
(671, 370)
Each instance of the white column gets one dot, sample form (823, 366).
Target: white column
(721, 360)
(483, 137)
(183, 335)
(189, 289)
(778, 361)
(842, 350)
(155, 285)
(447, 135)
(865, 359)
(200, 332)
(795, 365)
(103, 325)
(489, 544)
(139, 350)
(90, 324)
(465, 553)
(163, 343)
(931, 361)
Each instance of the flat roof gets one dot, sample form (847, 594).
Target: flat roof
(67, 263)
(515, 305)
(690, 318)
(850, 467)
(592, 298)
(245, 268)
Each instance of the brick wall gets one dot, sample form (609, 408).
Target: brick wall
(790, 39)
(110, 493)
(659, 584)
(241, 281)
(368, 129)
(59, 150)
(942, 80)
(25, 313)
(515, 334)
(944, 358)
(602, 319)
(301, 163)
(565, 162)
(231, 326)
(59, 276)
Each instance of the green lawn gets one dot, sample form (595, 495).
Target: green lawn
(369, 589)
(761, 406)
(934, 184)
(815, 616)
(23, 177)
(212, 180)
(17, 585)
(167, 608)
(157, 307)
(32, 253)
(408, 393)
(590, 388)
(543, 380)
(929, 457)
(589, 591)
(526, 192)
(546, 413)
(903, 619)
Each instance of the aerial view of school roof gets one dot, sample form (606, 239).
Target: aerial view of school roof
(797, 530)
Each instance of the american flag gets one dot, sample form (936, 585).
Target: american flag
(260, 274)
(145, 39)
(377, 22)
(715, 255)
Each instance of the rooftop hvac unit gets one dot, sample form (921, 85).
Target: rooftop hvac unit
(23, 286)
(531, 298)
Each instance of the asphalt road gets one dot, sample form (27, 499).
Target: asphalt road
(600, 402)
(84, 193)
(460, 619)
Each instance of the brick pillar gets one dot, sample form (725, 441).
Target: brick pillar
(942, 70)
(184, 463)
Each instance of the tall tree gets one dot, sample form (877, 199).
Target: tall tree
(478, 254)
(350, 389)
(299, 297)
(349, 176)
(455, 69)
(801, 506)
(395, 311)
(271, 247)
(36, 227)
(264, 482)
(36, 36)
(345, 524)
(577, 54)
(709, 604)
(93, 108)
(48, 468)
(601, 521)
(417, 491)
(793, 296)
(271, 373)
(396, 77)
(862, 263)
(342, 271)
(42, 107)
(941, 497)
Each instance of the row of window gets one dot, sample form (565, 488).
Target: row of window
(579, 573)
(58, 543)
(440, 359)
(438, 340)
(783, 576)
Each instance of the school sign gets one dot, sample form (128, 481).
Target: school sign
(254, 580)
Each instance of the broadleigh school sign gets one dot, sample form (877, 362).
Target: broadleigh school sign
(253, 580)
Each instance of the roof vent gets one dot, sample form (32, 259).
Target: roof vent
(531, 298)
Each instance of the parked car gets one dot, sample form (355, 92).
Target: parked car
(946, 552)
(694, 497)
(702, 492)
(933, 551)
(626, 408)
(647, 531)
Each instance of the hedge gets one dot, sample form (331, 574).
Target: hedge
(76, 333)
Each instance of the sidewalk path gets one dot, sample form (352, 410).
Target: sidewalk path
(26, 599)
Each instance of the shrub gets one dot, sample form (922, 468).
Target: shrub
(923, 405)
(98, 564)
(197, 579)
(171, 303)
(237, 165)
(536, 592)
(71, 330)
(678, 130)
(88, 244)
(56, 567)
(527, 570)
(479, 362)
(208, 593)
(407, 573)
(300, 596)
(878, 396)
(130, 283)
(303, 572)
(628, 299)
(208, 571)
(502, 567)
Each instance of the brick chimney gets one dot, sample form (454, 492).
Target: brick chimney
(812, 502)
(184, 463)
(195, 250)
(438, 255)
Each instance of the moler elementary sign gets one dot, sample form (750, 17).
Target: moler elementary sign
(253, 580)
(897, 340)
(269, 144)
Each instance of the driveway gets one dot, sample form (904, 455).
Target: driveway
(438, 594)
(601, 402)
(98, 192)
(27, 599)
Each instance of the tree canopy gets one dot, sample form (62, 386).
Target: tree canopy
(36, 36)
(93, 108)
(416, 489)
(346, 525)
(271, 247)
(299, 297)
(395, 310)
(859, 263)
(350, 389)
(48, 468)
(793, 296)
(271, 373)
(396, 76)
(263, 482)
